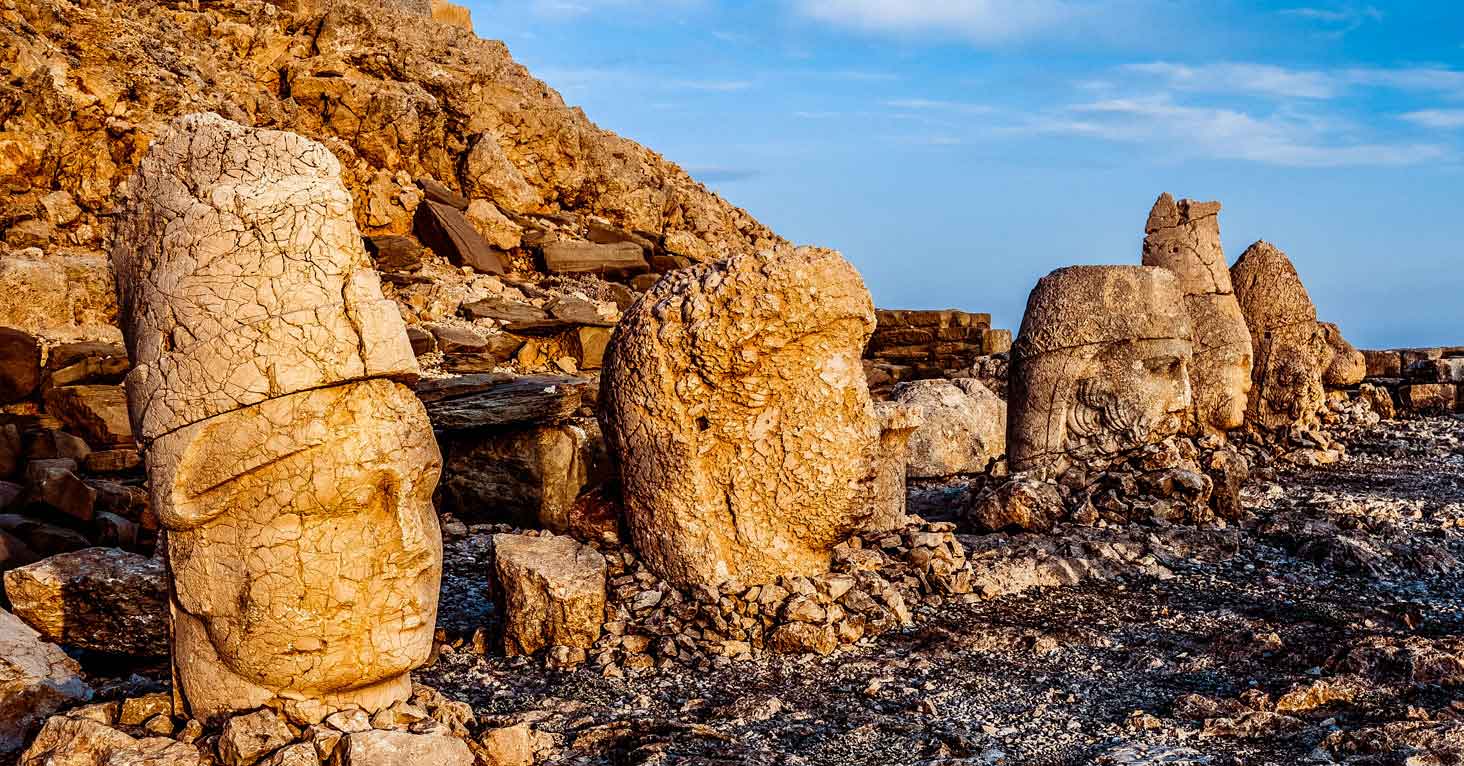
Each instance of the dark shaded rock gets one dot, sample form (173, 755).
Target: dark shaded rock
(449, 233)
(438, 192)
(11, 452)
(73, 364)
(15, 553)
(1229, 472)
(476, 401)
(97, 413)
(605, 234)
(101, 599)
(530, 476)
(1019, 504)
(395, 253)
(43, 538)
(468, 351)
(54, 483)
(503, 310)
(423, 342)
(578, 311)
(113, 461)
(50, 443)
(20, 364)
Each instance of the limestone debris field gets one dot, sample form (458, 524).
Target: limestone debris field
(363, 404)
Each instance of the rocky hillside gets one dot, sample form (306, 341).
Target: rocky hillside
(397, 97)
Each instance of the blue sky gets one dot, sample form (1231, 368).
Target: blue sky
(957, 150)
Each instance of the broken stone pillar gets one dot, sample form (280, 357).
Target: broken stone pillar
(1100, 367)
(735, 403)
(1184, 237)
(1290, 349)
(290, 467)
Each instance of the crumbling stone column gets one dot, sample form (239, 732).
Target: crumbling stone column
(1100, 366)
(735, 403)
(291, 469)
(1184, 237)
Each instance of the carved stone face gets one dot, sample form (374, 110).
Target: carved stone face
(1229, 370)
(1102, 366)
(304, 542)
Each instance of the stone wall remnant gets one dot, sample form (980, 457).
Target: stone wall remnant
(1100, 366)
(1184, 237)
(291, 469)
(735, 402)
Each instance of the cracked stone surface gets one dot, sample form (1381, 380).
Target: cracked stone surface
(964, 428)
(1100, 366)
(292, 474)
(243, 277)
(1184, 237)
(1291, 352)
(735, 402)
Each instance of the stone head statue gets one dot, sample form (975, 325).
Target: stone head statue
(1291, 351)
(291, 470)
(1100, 366)
(1346, 366)
(1184, 237)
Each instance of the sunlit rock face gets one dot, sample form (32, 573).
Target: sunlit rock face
(291, 469)
(1100, 366)
(1291, 351)
(735, 403)
(1184, 238)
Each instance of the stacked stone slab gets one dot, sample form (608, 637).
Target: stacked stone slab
(1421, 381)
(292, 470)
(735, 403)
(1184, 237)
(920, 345)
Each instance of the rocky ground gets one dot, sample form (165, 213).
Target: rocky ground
(1326, 627)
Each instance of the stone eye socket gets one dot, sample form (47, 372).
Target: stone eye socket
(1169, 366)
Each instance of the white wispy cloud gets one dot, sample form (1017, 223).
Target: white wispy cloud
(1261, 79)
(984, 21)
(1208, 132)
(1258, 79)
(1444, 119)
(928, 104)
(1337, 21)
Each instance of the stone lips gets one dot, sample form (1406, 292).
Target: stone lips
(734, 399)
(242, 276)
(1101, 366)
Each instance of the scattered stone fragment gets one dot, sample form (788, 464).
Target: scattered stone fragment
(36, 679)
(552, 590)
(617, 260)
(101, 599)
(395, 748)
(1018, 504)
(249, 737)
(83, 742)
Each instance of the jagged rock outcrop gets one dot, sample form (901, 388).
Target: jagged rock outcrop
(293, 476)
(394, 96)
(1100, 366)
(1184, 237)
(734, 401)
(1291, 351)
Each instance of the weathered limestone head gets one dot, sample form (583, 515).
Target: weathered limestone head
(242, 276)
(1184, 237)
(735, 402)
(1290, 350)
(1346, 365)
(292, 474)
(1100, 366)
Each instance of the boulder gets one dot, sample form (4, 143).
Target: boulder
(49, 443)
(20, 364)
(100, 599)
(1378, 399)
(395, 253)
(734, 401)
(615, 260)
(74, 364)
(97, 413)
(551, 591)
(43, 538)
(1291, 352)
(478, 401)
(516, 745)
(36, 680)
(1100, 367)
(1019, 504)
(495, 227)
(78, 741)
(1184, 237)
(14, 552)
(964, 427)
(396, 748)
(54, 483)
(449, 233)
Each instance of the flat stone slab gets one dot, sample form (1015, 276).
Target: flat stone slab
(488, 399)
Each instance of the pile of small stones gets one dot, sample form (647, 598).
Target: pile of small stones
(874, 583)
